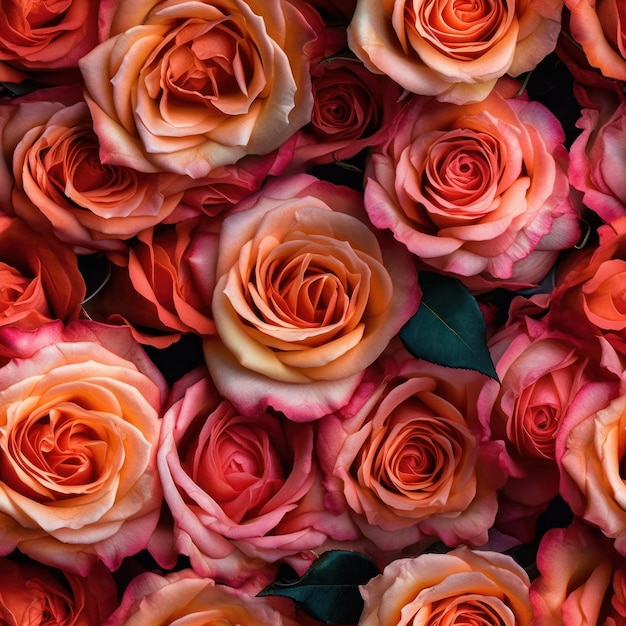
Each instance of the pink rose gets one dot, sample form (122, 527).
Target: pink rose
(403, 459)
(540, 370)
(45, 36)
(185, 597)
(307, 296)
(455, 51)
(79, 423)
(478, 191)
(582, 579)
(39, 277)
(461, 586)
(53, 178)
(598, 159)
(241, 489)
(31, 593)
(598, 27)
(200, 85)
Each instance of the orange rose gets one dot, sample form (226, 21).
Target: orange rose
(79, 428)
(462, 586)
(453, 50)
(190, 86)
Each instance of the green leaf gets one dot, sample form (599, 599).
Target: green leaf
(329, 590)
(448, 328)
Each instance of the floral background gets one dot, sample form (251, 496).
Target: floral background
(286, 284)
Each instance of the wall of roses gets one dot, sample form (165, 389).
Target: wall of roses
(284, 280)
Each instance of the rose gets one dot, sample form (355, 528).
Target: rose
(184, 598)
(202, 84)
(454, 51)
(404, 461)
(306, 298)
(597, 156)
(352, 108)
(53, 178)
(79, 426)
(240, 488)
(540, 370)
(590, 453)
(47, 36)
(477, 191)
(582, 579)
(39, 277)
(479, 587)
(598, 29)
(33, 594)
(163, 286)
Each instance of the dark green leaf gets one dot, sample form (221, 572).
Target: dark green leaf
(448, 328)
(329, 590)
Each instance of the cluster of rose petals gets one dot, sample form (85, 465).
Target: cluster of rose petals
(478, 191)
(598, 158)
(307, 296)
(404, 461)
(183, 597)
(453, 50)
(39, 277)
(582, 579)
(31, 593)
(461, 586)
(238, 487)
(79, 424)
(53, 178)
(187, 87)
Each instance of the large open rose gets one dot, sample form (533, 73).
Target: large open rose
(190, 86)
(462, 586)
(307, 296)
(454, 50)
(479, 191)
(79, 427)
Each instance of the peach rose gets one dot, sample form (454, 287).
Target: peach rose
(32, 594)
(590, 452)
(185, 598)
(164, 285)
(53, 178)
(307, 296)
(44, 36)
(453, 50)
(239, 488)
(404, 461)
(40, 278)
(79, 426)
(190, 86)
(540, 371)
(478, 191)
(461, 586)
(599, 28)
(598, 160)
(582, 579)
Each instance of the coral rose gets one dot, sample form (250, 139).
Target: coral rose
(40, 278)
(307, 296)
(582, 579)
(462, 586)
(405, 462)
(190, 86)
(453, 50)
(79, 427)
(185, 598)
(239, 488)
(31, 593)
(53, 178)
(477, 191)
(598, 27)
